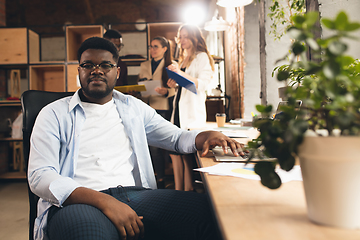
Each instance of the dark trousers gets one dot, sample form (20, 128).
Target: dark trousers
(168, 215)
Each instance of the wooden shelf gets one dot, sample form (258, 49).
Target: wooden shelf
(10, 103)
(9, 139)
(13, 175)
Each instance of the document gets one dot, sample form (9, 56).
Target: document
(182, 81)
(129, 88)
(150, 86)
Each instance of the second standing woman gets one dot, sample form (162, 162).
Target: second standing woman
(189, 110)
(151, 70)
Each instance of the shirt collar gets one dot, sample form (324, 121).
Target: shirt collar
(75, 99)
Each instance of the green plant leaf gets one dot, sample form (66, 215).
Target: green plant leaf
(282, 75)
(311, 18)
(328, 23)
(298, 19)
(296, 34)
(341, 21)
(263, 168)
(352, 27)
(337, 48)
(298, 48)
(272, 180)
(331, 70)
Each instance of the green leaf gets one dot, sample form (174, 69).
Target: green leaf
(328, 23)
(346, 60)
(312, 18)
(282, 75)
(352, 27)
(331, 70)
(298, 48)
(271, 181)
(268, 109)
(298, 19)
(341, 21)
(263, 168)
(337, 48)
(296, 34)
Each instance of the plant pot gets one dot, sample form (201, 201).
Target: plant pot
(330, 167)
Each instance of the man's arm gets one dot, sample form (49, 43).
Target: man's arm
(125, 219)
(208, 139)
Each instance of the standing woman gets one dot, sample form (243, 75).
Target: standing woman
(154, 69)
(189, 110)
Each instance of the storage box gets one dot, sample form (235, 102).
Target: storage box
(75, 35)
(47, 78)
(17, 44)
(73, 82)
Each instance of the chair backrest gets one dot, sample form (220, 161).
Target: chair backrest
(32, 102)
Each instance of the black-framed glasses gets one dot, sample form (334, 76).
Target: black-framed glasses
(104, 67)
(121, 45)
(153, 47)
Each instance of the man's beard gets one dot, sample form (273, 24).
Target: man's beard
(97, 94)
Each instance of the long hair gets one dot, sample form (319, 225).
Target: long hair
(198, 44)
(167, 58)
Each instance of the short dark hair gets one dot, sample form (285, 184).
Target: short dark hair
(112, 33)
(98, 43)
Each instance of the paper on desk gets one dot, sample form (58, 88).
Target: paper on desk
(232, 133)
(150, 87)
(247, 171)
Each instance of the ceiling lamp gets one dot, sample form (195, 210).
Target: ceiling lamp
(216, 24)
(233, 3)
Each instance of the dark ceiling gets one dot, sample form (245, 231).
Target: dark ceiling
(52, 15)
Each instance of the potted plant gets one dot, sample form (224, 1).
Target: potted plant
(324, 132)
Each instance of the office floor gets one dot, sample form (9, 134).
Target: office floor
(14, 210)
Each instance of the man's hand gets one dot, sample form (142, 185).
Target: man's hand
(125, 219)
(209, 139)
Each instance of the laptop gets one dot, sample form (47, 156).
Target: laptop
(220, 156)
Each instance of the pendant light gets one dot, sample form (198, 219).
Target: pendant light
(216, 24)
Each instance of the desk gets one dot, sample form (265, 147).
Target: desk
(246, 210)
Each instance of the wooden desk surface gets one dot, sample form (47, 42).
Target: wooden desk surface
(247, 210)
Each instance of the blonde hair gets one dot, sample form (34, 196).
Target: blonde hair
(198, 44)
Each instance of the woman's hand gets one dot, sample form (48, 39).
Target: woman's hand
(162, 91)
(175, 67)
(171, 83)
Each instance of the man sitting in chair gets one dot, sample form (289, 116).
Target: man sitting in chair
(90, 165)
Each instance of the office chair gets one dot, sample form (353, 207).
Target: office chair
(32, 101)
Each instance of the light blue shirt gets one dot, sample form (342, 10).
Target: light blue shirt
(55, 146)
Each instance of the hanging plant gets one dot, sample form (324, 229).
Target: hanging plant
(281, 13)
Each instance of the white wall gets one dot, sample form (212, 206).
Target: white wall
(330, 8)
(275, 49)
(252, 84)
